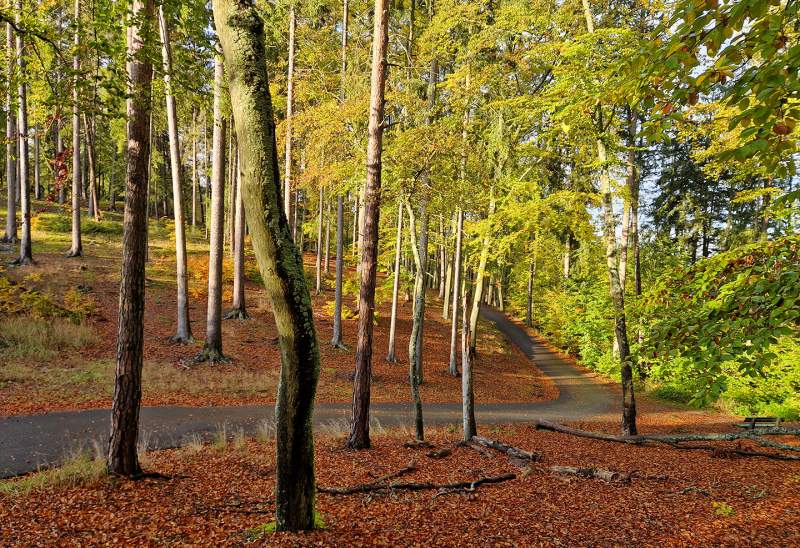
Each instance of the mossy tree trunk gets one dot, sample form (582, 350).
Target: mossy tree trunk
(122, 455)
(241, 34)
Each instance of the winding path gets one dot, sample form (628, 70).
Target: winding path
(29, 442)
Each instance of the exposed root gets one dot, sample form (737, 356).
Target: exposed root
(444, 487)
(376, 485)
(209, 355)
(237, 314)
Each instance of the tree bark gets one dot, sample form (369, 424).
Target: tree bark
(11, 144)
(287, 179)
(183, 331)
(321, 220)
(241, 33)
(470, 427)
(195, 184)
(448, 274)
(476, 300)
(25, 249)
(212, 348)
(453, 369)
(37, 172)
(59, 180)
(94, 209)
(327, 259)
(415, 340)
(77, 245)
(392, 358)
(122, 450)
(239, 311)
(359, 435)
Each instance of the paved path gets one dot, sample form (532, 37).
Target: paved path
(28, 442)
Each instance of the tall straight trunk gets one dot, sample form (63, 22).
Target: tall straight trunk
(94, 210)
(529, 298)
(327, 259)
(359, 434)
(321, 221)
(212, 348)
(336, 340)
(448, 275)
(11, 145)
(25, 248)
(354, 246)
(195, 188)
(239, 310)
(615, 286)
(112, 183)
(122, 450)
(37, 171)
(391, 358)
(567, 254)
(59, 180)
(479, 282)
(287, 178)
(77, 245)
(183, 331)
(241, 33)
(470, 427)
(414, 342)
(459, 231)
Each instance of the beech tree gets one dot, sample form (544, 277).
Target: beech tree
(11, 144)
(241, 34)
(239, 310)
(25, 249)
(77, 244)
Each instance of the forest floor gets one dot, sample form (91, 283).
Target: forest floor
(53, 366)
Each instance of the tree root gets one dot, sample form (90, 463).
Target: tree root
(376, 485)
(237, 314)
(209, 355)
(444, 487)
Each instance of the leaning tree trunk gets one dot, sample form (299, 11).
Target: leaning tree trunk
(415, 340)
(122, 450)
(359, 434)
(25, 249)
(391, 358)
(77, 245)
(453, 369)
(212, 348)
(241, 34)
(239, 310)
(11, 146)
(336, 340)
(183, 331)
(481, 273)
(287, 178)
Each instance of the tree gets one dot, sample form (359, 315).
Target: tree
(453, 369)
(77, 245)
(11, 145)
(183, 331)
(122, 451)
(239, 310)
(391, 358)
(359, 434)
(25, 249)
(241, 34)
(212, 348)
(287, 189)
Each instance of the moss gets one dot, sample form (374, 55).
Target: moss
(261, 531)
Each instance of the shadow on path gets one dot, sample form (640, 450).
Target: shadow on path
(29, 442)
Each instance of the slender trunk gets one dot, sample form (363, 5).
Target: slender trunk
(336, 340)
(321, 220)
(354, 246)
(467, 356)
(59, 176)
(529, 301)
(448, 275)
(287, 179)
(212, 349)
(415, 340)
(77, 245)
(37, 172)
(479, 278)
(94, 210)
(195, 188)
(459, 231)
(327, 260)
(241, 33)
(25, 249)
(183, 332)
(359, 435)
(122, 450)
(239, 310)
(112, 183)
(567, 253)
(391, 358)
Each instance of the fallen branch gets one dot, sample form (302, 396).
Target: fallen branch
(440, 454)
(509, 450)
(596, 473)
(377, 484)
(774, 444)
(366, 488)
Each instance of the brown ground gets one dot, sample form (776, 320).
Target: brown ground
(676, 498)
(502, 374)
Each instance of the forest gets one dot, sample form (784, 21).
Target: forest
(400, 272)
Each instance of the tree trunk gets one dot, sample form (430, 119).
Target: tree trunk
(459, 231)
(359, 435)
(241, 33)
(391, 358)
(25, 249)
(195, 184)
(476, 299)
(321, 220)
(467, 355)
(212, 349)
(77, 245)
(327, 260)
(567, 253)
(287, 179)
(37, 172)
(415, 340)
(11, 145)
(239, 311)
(183, 332)
(122, 450)
(336, 340)
(448, 276)
(94, 209)
(529, 300)
(59, 180)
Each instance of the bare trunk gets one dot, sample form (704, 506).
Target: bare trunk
(94, 209)
(453, 370)
(212, 349)
(59, 180)
(336, 340)
(183, 332)
(321, 220)
(479, 279)
(391, 358)
(448, 275)
(37, 172)
(25, 249)
(195, 187)
(77, 246)
(239, 311)
(415, 340)
(467, 355)
(567, 254)
(241, 33)
(287, 179)
(327, 259)
(529, 300)
(122, 450)
(359, 435)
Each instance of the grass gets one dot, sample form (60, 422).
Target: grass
(80, 469)
(36, 338)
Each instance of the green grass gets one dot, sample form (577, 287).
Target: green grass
(40, 339)
(80, 469)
